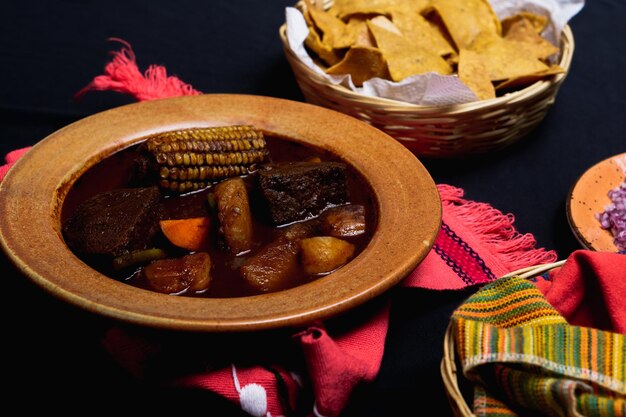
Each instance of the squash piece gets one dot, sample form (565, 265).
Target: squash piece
(191, 234)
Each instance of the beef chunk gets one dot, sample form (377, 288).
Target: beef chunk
(186, 207)
(115, 222)
(299, 190)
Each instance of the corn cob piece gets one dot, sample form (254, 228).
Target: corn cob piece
(192, 159)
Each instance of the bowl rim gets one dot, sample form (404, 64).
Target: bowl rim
(30, 210)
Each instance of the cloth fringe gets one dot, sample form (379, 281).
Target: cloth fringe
(494, 230)
(123, 75)
(11, 158)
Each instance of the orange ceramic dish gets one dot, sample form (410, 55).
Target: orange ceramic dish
(589, 197)
(406, 200)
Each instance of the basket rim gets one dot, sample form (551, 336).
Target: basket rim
(448, 369)
(538, 87)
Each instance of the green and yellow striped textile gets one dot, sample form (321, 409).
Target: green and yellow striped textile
(522, 356)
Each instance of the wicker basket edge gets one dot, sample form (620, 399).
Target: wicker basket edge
(448, 368)
(538, 87)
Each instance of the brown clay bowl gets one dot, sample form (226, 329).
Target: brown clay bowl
(590, 196)
(33, 192)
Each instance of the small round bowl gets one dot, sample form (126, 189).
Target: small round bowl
(32, 195)
(589, 196)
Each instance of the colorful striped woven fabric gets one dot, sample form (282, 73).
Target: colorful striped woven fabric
(522, 356)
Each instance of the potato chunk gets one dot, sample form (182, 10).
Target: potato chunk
(322, 254)
(297, 231)
(233, 212)
(173, 276)
(344, 221)
(270, 268)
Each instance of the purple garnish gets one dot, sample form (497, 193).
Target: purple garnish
(614, 216)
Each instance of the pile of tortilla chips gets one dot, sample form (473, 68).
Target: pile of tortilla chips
(395, 39)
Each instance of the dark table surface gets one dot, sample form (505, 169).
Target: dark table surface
(50, 50)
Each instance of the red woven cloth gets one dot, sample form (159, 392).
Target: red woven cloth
(476, 244)
(589, 290)
(10, 159)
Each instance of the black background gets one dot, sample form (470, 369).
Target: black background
(50, 50)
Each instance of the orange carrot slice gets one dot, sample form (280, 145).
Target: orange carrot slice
(191, 234)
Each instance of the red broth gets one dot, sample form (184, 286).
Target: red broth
(116, 172)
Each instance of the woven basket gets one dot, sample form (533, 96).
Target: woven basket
(440, 131)
(448, 368)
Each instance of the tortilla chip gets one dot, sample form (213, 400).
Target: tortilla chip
(526, 80)
(346, 8)
(538, 21)
(466, 19)
(317, 4)
(358, 32)
(395, 39)
(405, 58)
(307, 15)
(453, 59)
(384, 23)
(505, 59)
(417, 29)
(523, 31)
(473, 73)
(331, 27)
(325, 52)
(362, 63)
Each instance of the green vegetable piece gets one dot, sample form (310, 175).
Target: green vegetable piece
(212, 201)
(138, 257)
